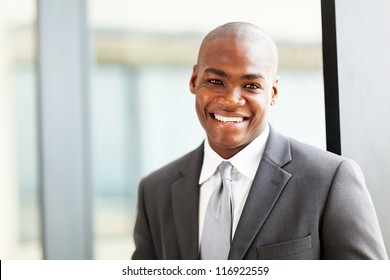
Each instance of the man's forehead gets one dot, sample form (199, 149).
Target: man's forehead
(239, 30)
(239, 39)
(243, 35)
(231, 50)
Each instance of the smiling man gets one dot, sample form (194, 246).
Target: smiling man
(248, 192)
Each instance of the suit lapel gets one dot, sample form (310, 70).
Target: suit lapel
(185, 203)
(266, 188)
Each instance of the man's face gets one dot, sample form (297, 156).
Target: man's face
(234, 84)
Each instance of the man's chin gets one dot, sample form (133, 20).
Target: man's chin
(224, 147)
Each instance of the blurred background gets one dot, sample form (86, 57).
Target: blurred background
(138, 113)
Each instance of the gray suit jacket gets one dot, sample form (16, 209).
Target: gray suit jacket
(304, 203)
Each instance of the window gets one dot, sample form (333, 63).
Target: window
(20, 237)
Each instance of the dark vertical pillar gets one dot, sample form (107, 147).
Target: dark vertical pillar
(331, 85)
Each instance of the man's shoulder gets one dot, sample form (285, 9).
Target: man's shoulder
(313, 159)
(296, 150)
(310, 151)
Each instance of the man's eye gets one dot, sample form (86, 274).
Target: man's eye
(215, 82)
(252, 86)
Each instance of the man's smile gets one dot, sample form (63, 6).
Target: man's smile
(226, 119)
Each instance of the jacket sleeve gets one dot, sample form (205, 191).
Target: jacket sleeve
(350, 228)
(144, 248)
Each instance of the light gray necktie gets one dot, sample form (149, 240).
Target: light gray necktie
(217, 226)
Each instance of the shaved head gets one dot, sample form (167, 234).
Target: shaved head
(243, 31)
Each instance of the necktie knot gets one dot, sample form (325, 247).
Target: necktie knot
(225, 169)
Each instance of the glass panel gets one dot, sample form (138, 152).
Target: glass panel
(20, 234)
(142, 111)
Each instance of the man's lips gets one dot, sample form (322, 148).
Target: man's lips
(225, 119)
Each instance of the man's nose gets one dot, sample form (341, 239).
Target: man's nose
(232, 98)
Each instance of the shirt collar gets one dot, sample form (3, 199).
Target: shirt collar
(246, 161)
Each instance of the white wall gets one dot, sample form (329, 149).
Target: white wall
(363, 44)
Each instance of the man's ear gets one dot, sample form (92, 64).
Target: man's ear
(275, 91)
(194, 78)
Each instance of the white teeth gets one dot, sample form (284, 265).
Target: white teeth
(228, 119)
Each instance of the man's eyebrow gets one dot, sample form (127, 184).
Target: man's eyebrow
(225, 75)
(252, 77)
(216, 72)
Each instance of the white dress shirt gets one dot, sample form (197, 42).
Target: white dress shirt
(245, 164)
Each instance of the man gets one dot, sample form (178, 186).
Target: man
(248, 192)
